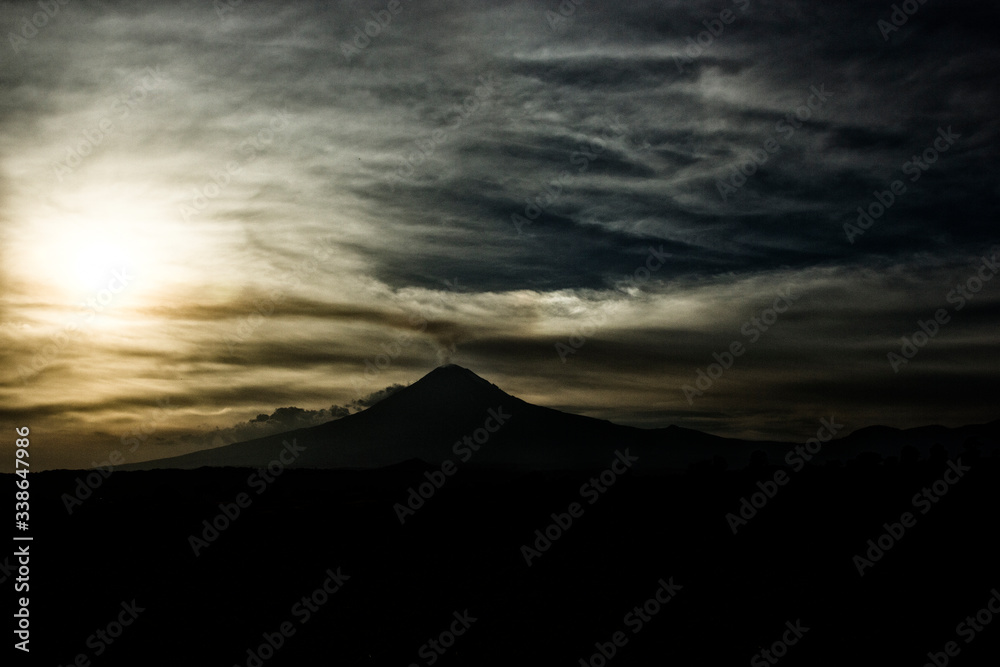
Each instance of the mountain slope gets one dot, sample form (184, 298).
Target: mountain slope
(453, 414)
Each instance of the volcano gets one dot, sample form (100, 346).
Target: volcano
(449, 414)
(453, 414)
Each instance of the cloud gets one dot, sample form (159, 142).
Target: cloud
(282, 420)
(376, 396)
(348, 210)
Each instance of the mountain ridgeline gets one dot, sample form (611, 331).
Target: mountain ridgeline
(453, 414)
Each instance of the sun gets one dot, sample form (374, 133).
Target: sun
(97, 262)
(84, 262)
(64, 264)
(117, 243)
(84, 245)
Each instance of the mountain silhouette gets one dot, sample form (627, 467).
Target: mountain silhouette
(453, 414)
(430, 420)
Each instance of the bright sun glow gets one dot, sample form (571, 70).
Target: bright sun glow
(97, 262)
(96, 241)
(83, 262)
(123, 245)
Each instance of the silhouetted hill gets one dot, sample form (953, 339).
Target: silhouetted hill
(887, 441)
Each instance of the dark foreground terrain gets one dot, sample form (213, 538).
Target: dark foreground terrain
(459, 557)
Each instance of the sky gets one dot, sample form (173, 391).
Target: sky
(212, 212)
